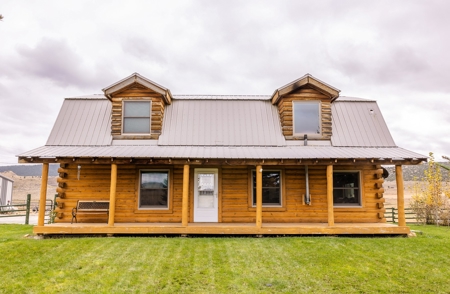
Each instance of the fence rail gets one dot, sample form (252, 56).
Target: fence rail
(391, 215)
(23, 209)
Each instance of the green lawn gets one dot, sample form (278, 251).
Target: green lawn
(225, 265)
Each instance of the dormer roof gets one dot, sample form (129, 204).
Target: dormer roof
(306, 80)
(138, 79)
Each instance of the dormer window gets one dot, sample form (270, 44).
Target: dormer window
(136, 117)
(307, 118)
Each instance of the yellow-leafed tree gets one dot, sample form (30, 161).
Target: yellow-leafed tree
(430, 200)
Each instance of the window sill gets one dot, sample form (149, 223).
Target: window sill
(136, 137)
(268, 208)
(349, 208)
(153, 210)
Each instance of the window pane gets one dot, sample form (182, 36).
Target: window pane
(205, 182)
(346, 188)
(271, 196)
(271, 192)
(153, 189)
(271, 179)
(156, 198)
(136, 125)
(137, 109)
(345, 179)
(306, 117)
(205, 190)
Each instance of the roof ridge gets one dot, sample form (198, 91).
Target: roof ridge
(221, 95)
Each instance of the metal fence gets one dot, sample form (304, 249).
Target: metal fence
(24, 209)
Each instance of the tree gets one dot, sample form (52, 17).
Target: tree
(444, 166)
(1, 17)
(430, 200)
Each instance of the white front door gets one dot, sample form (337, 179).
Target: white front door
(206, 208)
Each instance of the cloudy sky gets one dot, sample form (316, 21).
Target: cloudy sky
(396, 52)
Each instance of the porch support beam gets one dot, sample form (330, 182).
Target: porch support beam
(43, 194)
(258, 196)
(400, 196)
(330, 195)
(185, 200)
(112, 195)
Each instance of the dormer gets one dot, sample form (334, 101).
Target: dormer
(304, 106)
(137, 107)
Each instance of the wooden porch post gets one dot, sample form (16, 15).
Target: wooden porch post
(185, 201)
(43, 195)
(400, 196)
(258, 196)
(112, 195)
(330, 195)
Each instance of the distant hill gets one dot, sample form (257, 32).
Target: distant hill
(30, 170)
(415, 172)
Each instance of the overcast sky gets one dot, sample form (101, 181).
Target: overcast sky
(396, 52)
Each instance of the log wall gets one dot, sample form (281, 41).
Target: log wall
(94, 184)
(235, 191)
(286, 114)
(137, 92)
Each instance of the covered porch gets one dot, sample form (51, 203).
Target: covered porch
(224, 229)
(259, 227)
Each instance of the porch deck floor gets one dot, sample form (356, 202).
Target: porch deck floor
(224, 228)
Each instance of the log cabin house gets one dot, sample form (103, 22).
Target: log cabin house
(300, 161)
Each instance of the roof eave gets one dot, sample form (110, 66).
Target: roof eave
(307, 79)
(137, 78)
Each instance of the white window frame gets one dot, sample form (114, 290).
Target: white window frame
(360, 190)
(149, 117)
(310, 135)
(281, 188)
(168, 189)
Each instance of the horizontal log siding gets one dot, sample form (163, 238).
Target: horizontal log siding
(286, 115)
(94, 184)
(235, 188)
(137, 92)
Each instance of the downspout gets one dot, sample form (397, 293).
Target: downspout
(307, 196)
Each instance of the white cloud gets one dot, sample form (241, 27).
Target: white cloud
(396, 52)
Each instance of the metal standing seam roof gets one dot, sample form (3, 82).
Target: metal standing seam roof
(221, 128)
(221, 123)
(222, 97)
(359, 123)
(82, 122)
(222, 152)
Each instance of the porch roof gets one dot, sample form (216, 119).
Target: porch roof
(227, 152)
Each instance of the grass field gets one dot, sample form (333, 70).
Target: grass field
(225, 265)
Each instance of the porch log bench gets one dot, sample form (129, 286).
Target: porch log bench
(90, 207)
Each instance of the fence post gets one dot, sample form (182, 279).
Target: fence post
(393, 215)
(27, 215)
